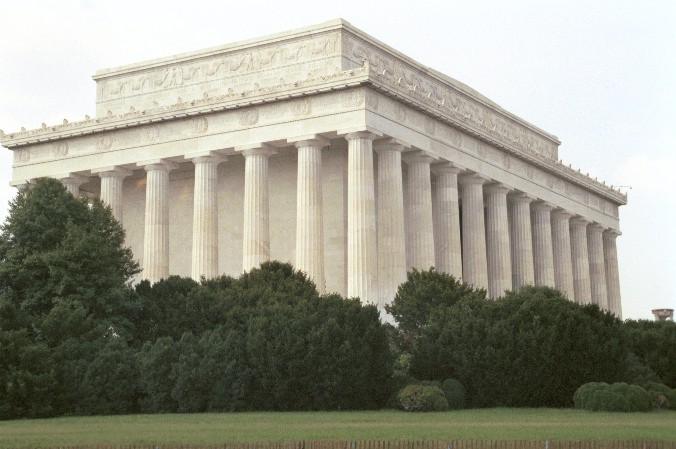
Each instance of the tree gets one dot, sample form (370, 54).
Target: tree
(654, 344)
(64, 274)
(532, 348)
(422, 293)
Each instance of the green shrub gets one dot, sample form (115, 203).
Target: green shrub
(662, 396)
(533, 348)
(617, 397)
(422, 398)
(454, 392)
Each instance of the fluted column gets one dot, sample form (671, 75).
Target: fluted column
(612, 271)
(256, 231)
(391, 237)
(543, 253)
(580, 258)
(205, 217)
(597, 266)
(521, 240)
(563, 265)
(156, 230)
(474, 264)
(419, 204)
(309, 222)
(497, 241)
(72, 183)
(111, 188)
(447, 226)
(362, 265)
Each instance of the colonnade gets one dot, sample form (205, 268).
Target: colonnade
(487, 233)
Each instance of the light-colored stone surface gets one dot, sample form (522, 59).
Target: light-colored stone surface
(72, 183)
(256, 228)
(111, 188)
(156, 234)
(361, 218)
(474, 263)
(612, 272)
(597, 267)
(521, 241)
(205, 217)
(420, 232)
(580, 258)
(561, 249)
(543, 255)
(317, 207)
(391, 236)
(497, 240)
(309, 215)
(447, 221)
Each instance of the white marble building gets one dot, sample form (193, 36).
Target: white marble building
(328, 149)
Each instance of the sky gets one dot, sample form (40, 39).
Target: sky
(600, 75)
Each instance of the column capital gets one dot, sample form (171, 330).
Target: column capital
(262, 149)
(610, 232)
(157, 164)
(205, 158)
(112, 171)
(521, 197)
(497, 188)
(446, 167)
(597, 227)
(73, 178)
(368, 133)
(579, 221)
(390, 144)
(472, 179)
(312, 140)
(543, 205)
(562, 213)
(417, 157)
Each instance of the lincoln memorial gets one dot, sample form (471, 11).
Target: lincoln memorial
(328, 149)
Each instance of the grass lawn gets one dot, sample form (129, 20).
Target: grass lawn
(213, 428)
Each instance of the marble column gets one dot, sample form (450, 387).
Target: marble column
(256, 230)
(111, 188)
(309, 221)
(612, 271)
(543, 253)
(597, 266)
(521, 241)
(563, 265)
(419, 205)
(391, 236)
(362, 277)
(72, 184)
(497, 241)
(447, 223)
(580, 259)
(205, 217)
(156, 229)
(474, 264)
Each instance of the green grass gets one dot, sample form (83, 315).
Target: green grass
(213, 428)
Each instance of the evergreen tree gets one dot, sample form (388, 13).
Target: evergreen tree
(64, 274)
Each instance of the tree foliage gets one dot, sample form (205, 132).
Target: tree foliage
(531, 348)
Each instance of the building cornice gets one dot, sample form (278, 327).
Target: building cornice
(342, 80)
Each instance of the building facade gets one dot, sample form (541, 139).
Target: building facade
(328, 149)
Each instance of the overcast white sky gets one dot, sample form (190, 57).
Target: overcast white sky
(601, 75)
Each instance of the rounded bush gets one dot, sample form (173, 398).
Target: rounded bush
(662, 396)
(617, 397)
(454, 392)
(421, 398)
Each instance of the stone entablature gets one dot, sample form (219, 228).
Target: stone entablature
(27, 152)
